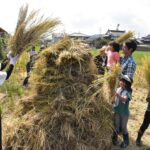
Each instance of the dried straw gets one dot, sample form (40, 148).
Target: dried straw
(125, 36)
(29, 30)
(146, 70)
(112, 79)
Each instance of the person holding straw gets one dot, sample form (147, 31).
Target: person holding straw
(4, 75)
(145, 123)
(121, 110)
(128, 65)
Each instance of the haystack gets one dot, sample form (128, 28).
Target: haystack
(60, 112)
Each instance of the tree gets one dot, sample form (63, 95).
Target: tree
(101, 42)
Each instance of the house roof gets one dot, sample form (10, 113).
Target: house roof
(78, 35)
(115, 32)
(122, 31)
(2, 30)
(95, 37)
(58, 35)
(146, 37)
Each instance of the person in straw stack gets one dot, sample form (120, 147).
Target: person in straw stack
(101, 60)
(127, 62)
(121, 110)
(145, 123)
(4, 75)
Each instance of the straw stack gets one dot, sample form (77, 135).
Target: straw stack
(60, 113)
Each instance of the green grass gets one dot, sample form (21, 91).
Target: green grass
(138, 55)
(94, 52)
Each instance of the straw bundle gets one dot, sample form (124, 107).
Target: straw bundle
(125, 36)
(61, 115)
(112, 79)
(29, 30)
(146, 70)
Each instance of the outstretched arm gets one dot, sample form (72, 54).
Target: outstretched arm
(4, 64)
(9, 71)
(5, 75)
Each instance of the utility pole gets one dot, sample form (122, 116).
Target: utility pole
(138, 34)
(117, 27)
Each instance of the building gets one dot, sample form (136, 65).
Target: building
(76, 36)
(79, 36)
(146, 39)
(113, 34)
(3, 32)
(56, 37)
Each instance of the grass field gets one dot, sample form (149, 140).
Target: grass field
(138, 55)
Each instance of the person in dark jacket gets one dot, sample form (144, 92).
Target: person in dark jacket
(101, 61)
(145, 124)
(32, 53)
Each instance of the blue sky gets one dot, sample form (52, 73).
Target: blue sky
(86, 16)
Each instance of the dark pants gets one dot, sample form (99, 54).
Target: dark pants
(28, 69)
(146, 122)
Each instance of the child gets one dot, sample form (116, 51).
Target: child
(101, 60)
(145, 123)
(121, 110)
(112, 53)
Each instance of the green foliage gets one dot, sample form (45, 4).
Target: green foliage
(94, 52)
(101, 42)
(11, 88)
(2, 46)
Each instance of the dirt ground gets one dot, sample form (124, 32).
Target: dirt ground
(138, 106)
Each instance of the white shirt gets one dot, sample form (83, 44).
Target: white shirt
(3, 76)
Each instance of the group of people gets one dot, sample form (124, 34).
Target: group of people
(108, 57)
